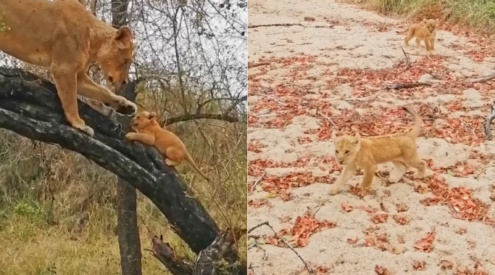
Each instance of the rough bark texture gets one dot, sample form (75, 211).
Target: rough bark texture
(30, 107)
(127, 227)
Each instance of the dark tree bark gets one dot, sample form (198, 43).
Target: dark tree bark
(29, 106)
(127, 227)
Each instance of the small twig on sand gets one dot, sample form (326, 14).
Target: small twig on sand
(256, 183)
(488, 122)
(325, 116)
(308, 268)
(408, 62)
(288, 25)
(397, 86)
(258, 65)
(481, 79)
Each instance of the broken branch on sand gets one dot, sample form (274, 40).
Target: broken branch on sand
(288, 25)
(481, 79)
(408, 62)
(397, 86)
(308, 268)
(488, 122)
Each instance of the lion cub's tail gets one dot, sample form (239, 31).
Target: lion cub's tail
(402, 32)
(418, 122)
(195, 167)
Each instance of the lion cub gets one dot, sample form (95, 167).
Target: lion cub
(149, 132)
(425, 30)
(365, 153)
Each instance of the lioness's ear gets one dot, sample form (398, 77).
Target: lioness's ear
(152, 116)
(124, 37)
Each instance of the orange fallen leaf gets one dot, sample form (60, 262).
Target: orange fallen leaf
(445, 264)
(379, 218)
(400, 219)
(419, 265)
(352, 241)
(382, 270)
(366, 208)
(368, 241)
(346, 207)
(425, 244)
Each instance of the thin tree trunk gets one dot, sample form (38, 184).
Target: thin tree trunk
(127, 228)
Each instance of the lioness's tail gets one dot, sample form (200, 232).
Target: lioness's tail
(195, 167)
(402, 32)
(418, 122)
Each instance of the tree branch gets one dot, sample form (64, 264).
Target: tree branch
(29, 106)
(225, 116)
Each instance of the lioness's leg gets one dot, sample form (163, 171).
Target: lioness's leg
(86, 87)
(345, 175)
(398, 172)
(369, 174)
(65, 82)
(144, 138)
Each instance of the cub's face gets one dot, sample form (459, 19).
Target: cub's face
(143, 120)
(431, 24)
(346, 148)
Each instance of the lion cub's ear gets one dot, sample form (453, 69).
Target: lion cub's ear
(152, 116)
(357, 137)
(124, 37)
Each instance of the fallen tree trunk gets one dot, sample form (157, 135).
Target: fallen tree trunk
(30, 107)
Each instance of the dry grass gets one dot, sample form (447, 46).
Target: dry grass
(478, 15)
(40, 237)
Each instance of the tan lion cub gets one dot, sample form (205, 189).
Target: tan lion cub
(365, 153)
(425, 30)
(149, 132)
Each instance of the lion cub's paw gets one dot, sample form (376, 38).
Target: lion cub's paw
(334, 190)
(126, 107)
(128, 136)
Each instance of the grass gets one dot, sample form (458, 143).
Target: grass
(478, 15)
(39, 235)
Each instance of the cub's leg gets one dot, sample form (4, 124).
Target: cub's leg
(418, 164)
(173, 156)
(409, 36)
(345, 175)
(144, 138)
(65, 82)
(398, 172)
(86, 87)
(432, 42)
(427, 44)
(418, 42)
(369, 174)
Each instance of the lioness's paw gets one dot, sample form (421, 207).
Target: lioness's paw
(126, 107)
(85, 129)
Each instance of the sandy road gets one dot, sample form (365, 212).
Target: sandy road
(305, 77)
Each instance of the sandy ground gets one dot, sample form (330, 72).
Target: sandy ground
(331, 67)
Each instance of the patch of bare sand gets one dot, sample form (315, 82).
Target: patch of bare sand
(342, 37)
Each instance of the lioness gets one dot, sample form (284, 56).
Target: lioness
(63, 36)
(149, 132)
(365, 153)
(425, 30)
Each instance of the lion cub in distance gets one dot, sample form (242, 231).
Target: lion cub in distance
(149, 132)
(426, 30)
(365, 153)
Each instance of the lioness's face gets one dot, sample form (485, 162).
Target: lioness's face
(115, 57)
(431, 24)
(142, 120)
(346, 148)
